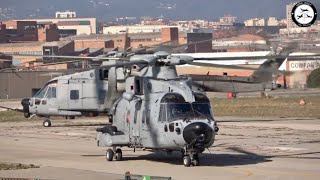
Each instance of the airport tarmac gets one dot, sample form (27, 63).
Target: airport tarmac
(246, 148)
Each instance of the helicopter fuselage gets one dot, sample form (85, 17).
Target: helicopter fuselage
(78, 94)
(160, 114)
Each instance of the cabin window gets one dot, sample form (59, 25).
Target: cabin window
(74, 94)
(138, 84)
(103, 74)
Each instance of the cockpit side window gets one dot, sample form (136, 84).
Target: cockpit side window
(163, 113)
(202, 110)
(52, 92)
(173, 98)
(201, 98)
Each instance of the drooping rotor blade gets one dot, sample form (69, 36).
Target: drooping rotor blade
(122, 64)
(5, 60)
(128, 49)
(220, 66)
(299, 57)
(249, 56)
(13, 109)
(225, 84)
(40, 65)
(70, 57)
(86, 58)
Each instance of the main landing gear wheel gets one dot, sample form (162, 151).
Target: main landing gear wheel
(186, 161)
(118, 155)
(109, 154)
(46, 123)
(195, 160)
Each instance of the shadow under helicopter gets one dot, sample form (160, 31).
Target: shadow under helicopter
(239, 158)
(268, 120)
(206, 159)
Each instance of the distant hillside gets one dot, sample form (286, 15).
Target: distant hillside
(171, 9)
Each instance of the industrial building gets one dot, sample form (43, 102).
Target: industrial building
(135, 29)
(301, 32)
(167, 34)
(204, 46)
(70, 26)
(24, 50)
(298, 71)
(85, 45)
(25, 31)
(3, 37)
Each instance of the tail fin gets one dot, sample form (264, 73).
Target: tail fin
(267, 70)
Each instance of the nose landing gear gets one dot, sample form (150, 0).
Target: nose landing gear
(114, 154)
(190, 158)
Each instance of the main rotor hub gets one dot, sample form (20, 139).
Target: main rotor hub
(161, 54)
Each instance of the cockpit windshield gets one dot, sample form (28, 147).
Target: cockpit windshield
(41, 92)
(48, 91)
(179, 111)
(187, 111)
(202, 110)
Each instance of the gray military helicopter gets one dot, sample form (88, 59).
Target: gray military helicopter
(159, 111)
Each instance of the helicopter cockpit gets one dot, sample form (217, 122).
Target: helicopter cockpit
(173, 107)
(49, 91)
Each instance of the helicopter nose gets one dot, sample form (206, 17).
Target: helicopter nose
(25, 105)
(197, 132)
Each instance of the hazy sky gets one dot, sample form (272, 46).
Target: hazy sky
(172, 9)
